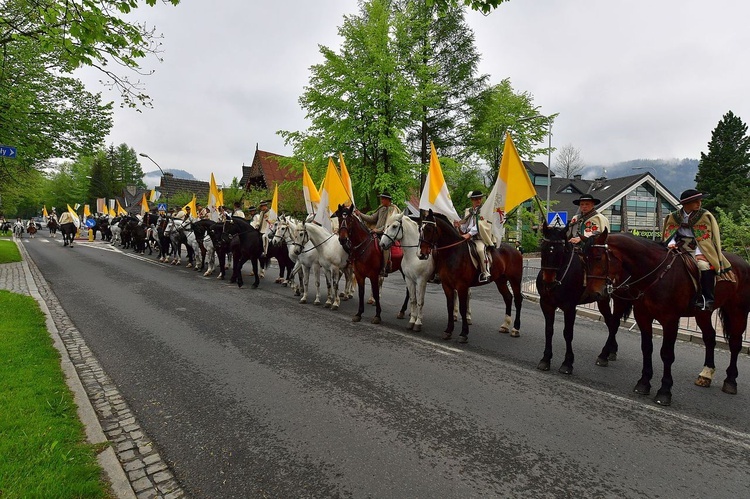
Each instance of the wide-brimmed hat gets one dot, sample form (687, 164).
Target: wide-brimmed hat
(385, 194)
(251, 208)
(586, 197)
(690, 195)
(475, 195)
(264, 202)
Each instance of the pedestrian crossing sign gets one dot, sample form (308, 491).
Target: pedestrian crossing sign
(557, 219)
(162, 207)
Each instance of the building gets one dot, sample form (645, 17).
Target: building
(265, 172)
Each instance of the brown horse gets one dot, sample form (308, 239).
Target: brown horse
(661, 288)
(365, 256)
(457, 272)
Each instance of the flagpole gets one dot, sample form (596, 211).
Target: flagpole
(549, 150)
(166, 195)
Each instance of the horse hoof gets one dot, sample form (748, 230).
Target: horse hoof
(375, 320)
(446, 336)
(468, 321)
(344, 298)
(703, 381)
(371, 301)
(642, 388)
(729, 387)
(400, 315)
(504, 330)
(316, 303)
(334, 307)
(255, 285)
(602, 362)
(327, 305)
(663, 398)
(463, 339)
(297, 293)
(565, 369)
(410, 326)
(303, 300)
(515, 333)
(543, 365)
(356, 318)
(613, 356)
(417, 328)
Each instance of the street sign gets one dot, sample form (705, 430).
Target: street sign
(557, 219)
(162, 207)
(90, 223)
(7, 151)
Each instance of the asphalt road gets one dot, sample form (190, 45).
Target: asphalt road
(249, 394)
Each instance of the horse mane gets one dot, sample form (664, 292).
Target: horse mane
(445, 221)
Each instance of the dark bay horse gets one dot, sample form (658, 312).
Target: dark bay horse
(458, 273)
(52, 225)
(245, 243)
(560, 284)
(365, 256)
(661, 287)
(68, 231)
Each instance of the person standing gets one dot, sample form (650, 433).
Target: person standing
(695, 230)
(378, 219)
(469, 229)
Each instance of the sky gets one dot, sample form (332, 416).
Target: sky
(636, 79)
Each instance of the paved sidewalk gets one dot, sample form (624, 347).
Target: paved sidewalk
(131, 463)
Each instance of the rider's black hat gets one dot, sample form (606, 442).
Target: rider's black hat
(251, 208)
(475, 195)
(264, 202)
(385, 194)
(586, 197)
(690, 195)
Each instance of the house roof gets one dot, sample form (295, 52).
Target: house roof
(265, 171)
(537, 168)
(171, 185)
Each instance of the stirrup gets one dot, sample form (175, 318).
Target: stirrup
(483, 277)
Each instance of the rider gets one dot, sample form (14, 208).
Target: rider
(238, 210)
(587, 222)
(184, 214)
(469, 228)
(695, 229)
(260, 222)
(379, 219)
(52, 216)
(203, 212)
(251, 211)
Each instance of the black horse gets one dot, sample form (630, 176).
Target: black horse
(68, 231)
(221, 245)
(560, 284)
(52, 226)
(280, 252)
(245, 243)
(102, 226)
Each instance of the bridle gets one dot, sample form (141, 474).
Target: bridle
(433, 244)
(346, 242)
(392, 240)
(566, 246)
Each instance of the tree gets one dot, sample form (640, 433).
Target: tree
(484, 6)
(91, 33)
(724, 172)
(569, 161)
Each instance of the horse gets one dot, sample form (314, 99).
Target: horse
(561, 284)
(221, 246)
(203, 241)
(332, 259)
(31, 229)
(306, 260)
(661, 288)
(102, 225)
(246, 244)
(280, 252)
(68, 231)
(454, 265)
(52, 226)
(365, 255)
(181, 232)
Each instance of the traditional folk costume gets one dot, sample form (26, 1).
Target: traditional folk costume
(470, 224)
(590, 224)
(378, 223)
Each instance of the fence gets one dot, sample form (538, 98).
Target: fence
(688, 330)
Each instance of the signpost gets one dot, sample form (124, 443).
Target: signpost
(8, 151)
(557, 219)
(162, 207)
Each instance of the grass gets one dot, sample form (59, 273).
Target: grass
(9, 252)
(43, 449)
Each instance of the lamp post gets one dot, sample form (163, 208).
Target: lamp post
(549, 148)
(166, 195)
(656, 198)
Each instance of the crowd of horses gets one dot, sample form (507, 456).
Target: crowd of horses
(622, 273)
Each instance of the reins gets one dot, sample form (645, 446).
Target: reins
(625, 285)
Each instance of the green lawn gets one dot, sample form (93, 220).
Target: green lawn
(43, 449)
(9, 252)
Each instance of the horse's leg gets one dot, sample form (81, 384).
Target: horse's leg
(669, 338)
(361, 293)
(450, 300)
(609, 351)
(335, 277)
(548, 310)
(645, 324)
(570, 320)
(375, 284)
(255, 271)
(734, 319)
(703, 320)
(420, 289)
(463, 299)
(315, 268)
(305, 284)
(515, 286)
(502, 287)
(328, 274)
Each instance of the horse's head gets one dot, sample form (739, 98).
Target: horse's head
(394, 230)
(556, 252)
(302, 238)
(428, 235)
(280, 229)
(345, 216)
(601, 267)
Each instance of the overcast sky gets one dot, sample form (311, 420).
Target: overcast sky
(630, 79)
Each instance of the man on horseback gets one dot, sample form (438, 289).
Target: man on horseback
(695, 230)
(587, 222)
(469, 228)
(203, 212)
(378, 219)
(238, 210)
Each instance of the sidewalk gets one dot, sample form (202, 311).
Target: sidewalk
(131, 463)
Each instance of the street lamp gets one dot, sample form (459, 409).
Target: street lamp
(549, 148)
(166, 194)
(656, 197)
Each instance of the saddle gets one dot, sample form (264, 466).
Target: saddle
(474, 254)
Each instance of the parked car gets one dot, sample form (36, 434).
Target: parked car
(40, 222)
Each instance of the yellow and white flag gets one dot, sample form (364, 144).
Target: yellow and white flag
(144, 204)
(76, 220)
(273, 212)
(44, 211)
(512, 187)
(346, 179)
(111, 212)
(101, 205)
(332, 194)
(86, 211)
(435, 195)
(154, 196)
(193, 209)
(213, 199)
(120, 210)
(310, 192)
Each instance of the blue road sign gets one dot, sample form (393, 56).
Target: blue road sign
(7, 151)
(162, 207)
(557, 218)
(90, 222)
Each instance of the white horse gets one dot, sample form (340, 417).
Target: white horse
(18, 229)
(332, 259)
(305, 262)
(173, 230)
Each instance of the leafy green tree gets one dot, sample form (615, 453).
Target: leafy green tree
(735, 230)
(484, 6)
(724, 172)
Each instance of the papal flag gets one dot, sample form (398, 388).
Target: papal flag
(120, 209)
(435, 195)
(346, 179)
(154, 196)
(111, 212)
(76, 220)
(512, 187)
(44, 211)
(144, 204)
(332, 194)
(101, 205)
(213, 199)
(193, 209)
(273, 212)
(310, 192)
(86, 211)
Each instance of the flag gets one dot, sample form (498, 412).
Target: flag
(144, 204)
(512, 187)
(221, 197)
(44, 211)
(332, 194)
(154, 196)
(86, 211)
(76, 220)
(193, 209)
(346, 179)
(77, 205)
(111, 212)
(120, 210)
(435, 193)
(273, 212)
(213, 199)
(101, 205)
(310, 192)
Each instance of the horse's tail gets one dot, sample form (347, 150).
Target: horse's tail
(626, 311)
(726, 323)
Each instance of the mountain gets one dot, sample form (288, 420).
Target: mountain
(154, 177)
(676, 174)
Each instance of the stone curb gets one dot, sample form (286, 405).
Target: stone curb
(132, 464)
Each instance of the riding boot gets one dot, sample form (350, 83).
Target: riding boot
(708, 281)
(484, 276)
